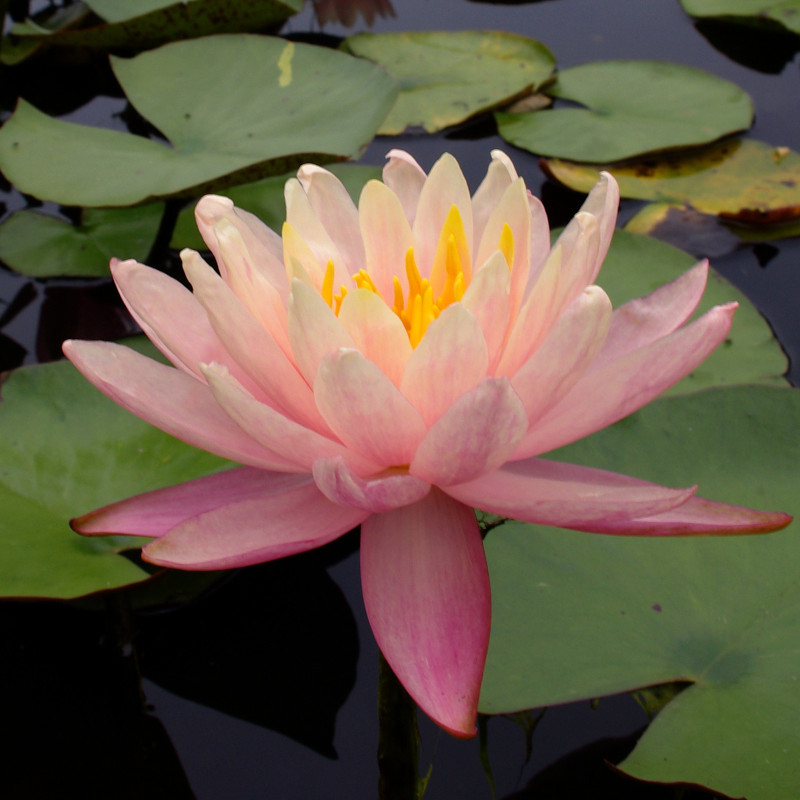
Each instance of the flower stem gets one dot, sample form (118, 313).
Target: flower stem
(398, 739)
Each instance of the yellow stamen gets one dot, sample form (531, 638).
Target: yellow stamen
(363, 281)
(327, 285)
(506, 245)
(338, 299)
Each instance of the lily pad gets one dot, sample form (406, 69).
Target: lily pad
(41, 246)
(579, 615)
(208, 97)
(701, 233)
(783, 13)
(264, 198)
(448, 77)
(140, 24)
(636, 265)
(631, 108)
(743, 180)
(64, 450)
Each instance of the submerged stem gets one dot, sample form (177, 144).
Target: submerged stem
(398, 738)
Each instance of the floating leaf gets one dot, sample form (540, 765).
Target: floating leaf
(42, 246)
(65, 449)
(140, 24)
(701, 234)
(265, 199)
(209, 98)
(579, 615)
(783, 13)
(743, 180)
(447, 77)
(636, 265)
(632, 107)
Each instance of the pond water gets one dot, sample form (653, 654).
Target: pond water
(240, 690)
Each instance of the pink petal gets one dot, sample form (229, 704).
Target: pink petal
(477, 434)
(366, 410)
(336, 212)
(314, 330)
(512, 210)
(165, 310)
(487, 299)
(376, 331)
(618, 388)
(387, 237)
(254, 530)
(565, 354)
(301, 216)
(299, 446)
(500, 175)
(567, 495)
(639, 322)
(446, 187)
(380, 493)
(579, 245)
(450, 360)
(263, 361)
(426, 591)
(265, 300)
(262, 243)
(158, 512)
(602, 203)
(405, 178)
(698, 517)
(169, 399)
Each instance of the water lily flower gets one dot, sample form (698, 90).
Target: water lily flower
(395, 366)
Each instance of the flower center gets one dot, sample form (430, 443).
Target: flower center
(451, 273)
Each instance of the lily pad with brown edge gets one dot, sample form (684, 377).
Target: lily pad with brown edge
(448, 77)
(579, 615)
(66, 449)
(141, 24)
(264, 198)
(783, 14)
(42, 246)
(744, 180)
(701, 234)
(213, 118)
(629, 108)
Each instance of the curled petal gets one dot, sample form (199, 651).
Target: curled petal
(567, 495)
(158, 512)
(602, 203)
(254, 530)
(618, 388)
(170, 400)
(476, 435)
(500, 175)
(366, 410)
(380, 493)
(426, 591)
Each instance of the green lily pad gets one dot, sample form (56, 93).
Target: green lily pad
(636, 265)
(579, 615)
(140, 24)
(779, 13)
(447, 77)
(65, 449)
(41, 246)
(208, 97)
(742, 180)
(631, 108)
(264, 198)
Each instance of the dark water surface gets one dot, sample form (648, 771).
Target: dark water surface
(279, 647)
